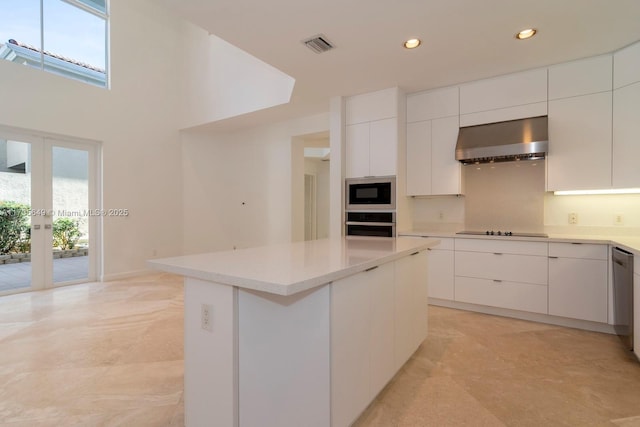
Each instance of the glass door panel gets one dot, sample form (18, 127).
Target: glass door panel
(70, 219)
(15, 215)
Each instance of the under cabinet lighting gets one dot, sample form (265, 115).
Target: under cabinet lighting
(590, 192)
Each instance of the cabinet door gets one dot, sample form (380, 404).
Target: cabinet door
(383, 147)
(626, 66)
(582, 77)
(578, 288)
(357, 150)
(411, 300)
(626, 128)
(445, 169)
(433, 104)
(419, 158)
(440, 274)
(580, 143)
(350, 339)
(381, 342)
(511, 90)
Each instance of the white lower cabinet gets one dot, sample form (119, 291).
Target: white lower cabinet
(578, 280)
(504, 294)
(356, 344)
(502, 274)
(440, 272)
(411, 300)
(378, 319)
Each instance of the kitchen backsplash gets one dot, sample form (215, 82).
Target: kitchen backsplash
(514, 197)
(505, 196)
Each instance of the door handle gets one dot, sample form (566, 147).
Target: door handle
(36, 227)
(47, 226)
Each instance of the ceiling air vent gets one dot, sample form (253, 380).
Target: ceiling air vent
(318, 44)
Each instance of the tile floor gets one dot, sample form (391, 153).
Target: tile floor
(110, 354)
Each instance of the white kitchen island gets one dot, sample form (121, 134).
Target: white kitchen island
(303, 333)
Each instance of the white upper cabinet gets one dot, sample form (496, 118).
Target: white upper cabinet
(372, 148)
(580, 143)
(583, 77)
(432, 105)
(626, 136)
(383, 147)
(372, 106)
(626, 66)
(372, 134)
(432, 133)
(626, 126)
(580, 124)
(508, 97)
(357, 150)
(418, 155)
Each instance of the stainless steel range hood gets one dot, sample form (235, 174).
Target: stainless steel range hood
(523, 139)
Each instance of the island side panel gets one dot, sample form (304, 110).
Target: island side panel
(210, 357)
(284, 358)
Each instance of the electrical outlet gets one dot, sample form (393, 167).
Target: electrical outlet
(573, 218)
(206, 318)
(618, 219)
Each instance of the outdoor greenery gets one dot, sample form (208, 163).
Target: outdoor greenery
(66, 233)
(15, 229)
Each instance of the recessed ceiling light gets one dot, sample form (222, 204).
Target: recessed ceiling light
(525, 34)
(412, 43)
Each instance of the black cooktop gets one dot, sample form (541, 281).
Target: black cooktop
(502, 233)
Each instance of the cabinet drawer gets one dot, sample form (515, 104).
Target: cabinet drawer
(502, 246)
(515, 296)
(578, 250)
(507, 267)
(445, 243)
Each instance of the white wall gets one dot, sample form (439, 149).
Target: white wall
(136, 123)
(251, 166)
(596, 213)
(226, 81)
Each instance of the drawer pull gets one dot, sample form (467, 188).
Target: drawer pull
(576, 243)
(429, 249)
(553, 257)
(372, 268)
(415, 253)
(497, 253)
(497, 281)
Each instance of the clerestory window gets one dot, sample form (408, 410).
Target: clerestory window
(65, 37)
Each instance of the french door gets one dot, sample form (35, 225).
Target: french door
(49, 212)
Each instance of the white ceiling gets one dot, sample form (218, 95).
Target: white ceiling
(463, 40)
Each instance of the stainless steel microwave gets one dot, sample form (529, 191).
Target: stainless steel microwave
(376, 193)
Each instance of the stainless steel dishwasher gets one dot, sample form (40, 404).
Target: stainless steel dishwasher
(623, 295)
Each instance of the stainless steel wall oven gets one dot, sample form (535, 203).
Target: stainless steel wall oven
(377, 224)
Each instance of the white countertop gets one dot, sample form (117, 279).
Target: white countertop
(289, 268)
(630, 243)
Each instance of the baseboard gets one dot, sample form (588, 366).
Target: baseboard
(524, 315)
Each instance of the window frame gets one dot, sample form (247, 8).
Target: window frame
(48, 64)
